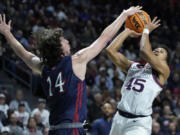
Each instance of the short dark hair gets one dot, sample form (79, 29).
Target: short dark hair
(168, 52)
(47, 43)
(108, 102)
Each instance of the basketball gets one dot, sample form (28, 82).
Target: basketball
(137, 21)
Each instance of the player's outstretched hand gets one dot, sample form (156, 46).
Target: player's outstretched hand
(153, 25)
(132, 10)
(132, 33)
(4, 27)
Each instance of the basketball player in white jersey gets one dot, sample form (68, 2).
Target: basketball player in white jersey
(142, 84)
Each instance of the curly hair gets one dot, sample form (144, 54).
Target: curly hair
(48, 46)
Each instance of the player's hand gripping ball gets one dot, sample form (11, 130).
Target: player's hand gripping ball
(137, 21)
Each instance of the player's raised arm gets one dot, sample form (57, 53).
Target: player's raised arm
(154, 58)
(30, 59)
(113, 50)
(87, 54)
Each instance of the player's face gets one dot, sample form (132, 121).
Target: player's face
(65, 46)
(161, 53)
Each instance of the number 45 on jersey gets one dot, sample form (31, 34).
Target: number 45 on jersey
(136, 84)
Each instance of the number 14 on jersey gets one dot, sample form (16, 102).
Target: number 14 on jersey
(59, 84)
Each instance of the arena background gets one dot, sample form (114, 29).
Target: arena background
(82, 22)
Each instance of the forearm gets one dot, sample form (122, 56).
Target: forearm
(145, 48)
(15, 45)
(30, 59)
(145, 43)
(96, 47)
(112, 51)
(118, 41)
(110, 31)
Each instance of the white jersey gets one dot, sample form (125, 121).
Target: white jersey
(139, 90)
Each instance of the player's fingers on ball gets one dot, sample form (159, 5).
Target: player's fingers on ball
(139, 7)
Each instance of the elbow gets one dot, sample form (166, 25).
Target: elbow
(105, 37)
(142, 53)
(143, 50)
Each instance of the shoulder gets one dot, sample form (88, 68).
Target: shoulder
(16, 112)
(19, 128)
(80, 56)
(35, 110)
(135, 65)
(6, 106)
(14, 102)
(26, 113)
(39, 132)
(98, 121)
(46, 111)
(25, 102)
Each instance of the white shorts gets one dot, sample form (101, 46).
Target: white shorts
(126, 126)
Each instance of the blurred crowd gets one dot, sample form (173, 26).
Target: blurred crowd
(17, 118)
(82, 22)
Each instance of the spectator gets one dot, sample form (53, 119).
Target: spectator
(156, 114)
(5, 131)
(156, 129)
(45, 131)
(22, 114)
(102, 126)
(3, 107)
(37, 117)
(117, 94)
(44, 113)
(14, 128)
(19, 98)
(172, 129)
(32, 128)
(103, 79)
(95, 107)
(166, 117)
(177, 108)
(174, 80)
(176, 56)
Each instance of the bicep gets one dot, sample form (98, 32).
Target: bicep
(90, 52)
(119, 60)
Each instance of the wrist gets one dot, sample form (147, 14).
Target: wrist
(6, 32)
(146, 31)
(127, 30)
(124, 14)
